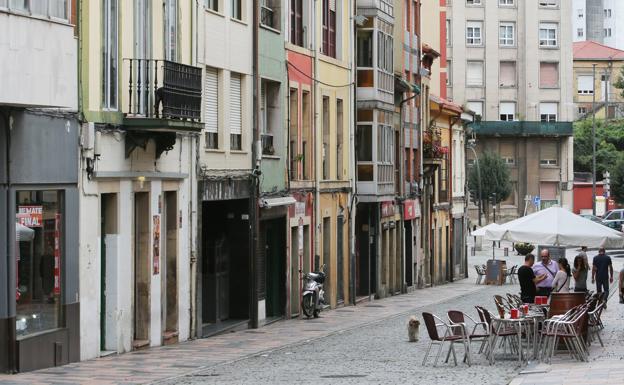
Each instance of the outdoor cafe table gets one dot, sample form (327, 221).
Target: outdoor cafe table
(529, 323)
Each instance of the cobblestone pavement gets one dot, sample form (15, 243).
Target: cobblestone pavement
(362, 344)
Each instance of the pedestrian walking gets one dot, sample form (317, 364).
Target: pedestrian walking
(621, 285)
(548, 268)
(602, 273)
(580, 271)
(561, 283)
(583, 253)
(528, 280)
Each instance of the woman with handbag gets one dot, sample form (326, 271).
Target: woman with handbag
(561, 282)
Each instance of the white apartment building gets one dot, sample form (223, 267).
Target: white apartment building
(511, 63)
(597, 20)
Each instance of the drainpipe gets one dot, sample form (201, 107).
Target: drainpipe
(255, 180)
(317, 176)
(352, 157)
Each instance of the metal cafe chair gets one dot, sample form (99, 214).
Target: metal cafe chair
(441, 332)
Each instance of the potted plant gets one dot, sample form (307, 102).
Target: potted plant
(523, 248)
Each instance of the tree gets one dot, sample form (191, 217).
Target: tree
(495, 179)
(617, 181)
(619, 84)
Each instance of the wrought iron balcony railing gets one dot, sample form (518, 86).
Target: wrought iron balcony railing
(163, 89)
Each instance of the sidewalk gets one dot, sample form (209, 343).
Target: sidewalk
(157, 364)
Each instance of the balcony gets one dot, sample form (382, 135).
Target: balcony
(162, 95)
(433, 150)
(381, 8)
(493, 128)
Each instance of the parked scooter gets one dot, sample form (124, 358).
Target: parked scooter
(313, 294)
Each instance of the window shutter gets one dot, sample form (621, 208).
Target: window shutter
(236, 111)
(475, 73)
(211, 100)
(585, 84)
(507, 150)
(508, 108)
(548, 191)
(548, 108)
(508, 74)
(549, 74)
(548, 150)
(476, 107)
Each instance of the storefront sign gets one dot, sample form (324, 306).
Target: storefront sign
(411, 209)
(300, 209)
(30, 216)
(57, 254)
(387, 209)
(156, 244)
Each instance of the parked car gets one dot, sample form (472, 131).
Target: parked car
(592, 218)
(614, 219)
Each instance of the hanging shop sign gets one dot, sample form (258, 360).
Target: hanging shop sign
(387, 209)
(30, 216)
(411, 209)
(156, 244)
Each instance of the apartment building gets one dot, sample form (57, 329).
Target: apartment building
(511, 65)
(599, 21)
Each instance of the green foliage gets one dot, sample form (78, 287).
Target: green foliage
(619, 84)
(609, 150)
(494, 179)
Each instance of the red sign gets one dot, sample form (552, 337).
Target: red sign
(387, 209)
(410, 209)
(30, 216)
(57, 254)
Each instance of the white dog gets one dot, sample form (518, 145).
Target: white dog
(413, 329)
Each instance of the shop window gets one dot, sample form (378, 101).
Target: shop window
(39, 257)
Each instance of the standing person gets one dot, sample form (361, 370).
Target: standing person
(580, 271)
(621, 284)
(602, 273)
(583, 253)
(527, 279)
(548, 268)
(561, 283)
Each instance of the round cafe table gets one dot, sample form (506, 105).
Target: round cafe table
(527, 323)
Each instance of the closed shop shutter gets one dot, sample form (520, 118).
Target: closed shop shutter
(211, 100)
(236, 111)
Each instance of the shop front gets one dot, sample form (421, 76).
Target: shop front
(40, 309)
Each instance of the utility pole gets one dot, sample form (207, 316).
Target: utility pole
(471, 147)
(594, 142)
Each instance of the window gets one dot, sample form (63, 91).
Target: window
(329, 28)
(270, 122)
(476, 107)
(326, 135)
(580, 13)
(110, 55)
(582, 110)
(507, 74)
(549, 75)
(548, 112)
(365, 48)
(507, 111)
(607, 32)
(449, 73)
(296, 22)
(236, 112)
(236, 9)
(474, 73)
(213, 5)
(385, 53)
(473, 33)
(211, 108)
(295, 155)
(270, 13)
(548, 153)
(506, 3)
(56, 9)
(306, 119)
(473, 2)
(585, 84)
(580, 32)
(508, 153)
(171, 30)
(364, 143)
(607, 13)
(40, 259)
(549, 3)
(548, 35)
(506, 34)
(448, 32)
(339, 138)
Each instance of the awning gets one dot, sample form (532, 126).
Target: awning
(275, 202)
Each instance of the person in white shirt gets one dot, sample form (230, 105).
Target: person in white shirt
(561, 282)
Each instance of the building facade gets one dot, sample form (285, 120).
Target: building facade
(511, 65)
(140, 106)
(596, 69)
(598, 21)
(39, 187)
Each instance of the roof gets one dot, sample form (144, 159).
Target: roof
(445, 103)
(590, 50)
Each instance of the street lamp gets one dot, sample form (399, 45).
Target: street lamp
(594, 143)
(471, 144)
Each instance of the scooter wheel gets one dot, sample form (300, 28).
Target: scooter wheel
(307, 305)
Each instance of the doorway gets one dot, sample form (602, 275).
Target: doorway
(275, 246)
(340, 259)
(108, 239)
(327, 260)
(170, 275)
(142, 276)
(409, 247)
